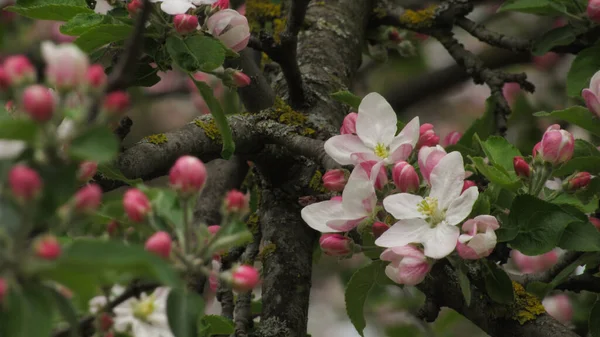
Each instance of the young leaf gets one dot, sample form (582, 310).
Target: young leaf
(217, 325)
(594, 322)
(347, 97)
(577, 115)
(58, 10)
(184, 307)
(580, 237)
(219, 117)
(100, 35)
(584, 66)
(497, 284)
(196, 53)
(109, 171)
(501, 152)
(358, 289)
(68, 312)
(585, 149)
(28, 313)
(540, 7)
(560, 36)
(496, 174)
(81, 23)
(18, 129)
(483, 126)
(97, 144)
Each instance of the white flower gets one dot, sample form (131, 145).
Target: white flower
(144, 317)
(66, 64)
(375, 137)
(432, 221)
(97, 303)
(102, 7)
(10, 149)
(174, 7)
(358, 202)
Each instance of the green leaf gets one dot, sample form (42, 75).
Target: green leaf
(217, 325)
(348, 98)
(231, 235)
(585, 149)
(195, 53)
(539, 289)
(585, 65)
(497, 175)
(68, 312)
(29, 312)
(572, 200)
(145, 76)
(534, 226)
(97, 144)
(580, 237)
(588, 164)
(497, 284)
(109, 171)
(219, 117)
(81, 23)
(560, 36)
(18, 129)
(594, 322)
(540, 7)
(577, 115)
(463, 279)
(58, 10)
(358, 289)
(500, 151)
(483, 126)
(184, 307)
(100, 35)
(481, 206)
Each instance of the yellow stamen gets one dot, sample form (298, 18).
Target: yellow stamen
(144, 308)
(381, 151)
(429, 207)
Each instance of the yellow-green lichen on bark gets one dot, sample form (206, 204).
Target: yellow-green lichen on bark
(267, 250)
(157, 139)
(210, 129)
(284, 114)
(316, 183)
(526, 307)
(420, 18)
(252, 223)
(263, 15)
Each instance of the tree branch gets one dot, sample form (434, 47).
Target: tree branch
(583, 282)
(243, 309)
(258, 95)
(493, 38)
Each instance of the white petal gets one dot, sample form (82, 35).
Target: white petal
(341, 148)
(595, 83)
(403, 206)
(174, 7)
(403, 233)
(461, 207)
(102, 7)
(408, 135)
(10, 149)
(376, 121)
(464, 238)
(554, 184)
(359, 198)
(440, 241)
(483, 242)
(344, 225)
(317, 214)
(447, 179)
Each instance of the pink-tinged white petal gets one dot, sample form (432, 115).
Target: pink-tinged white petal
(481, 223)
(440, 241)
(358, 198)
(403, 233)
(318, 214)
(396, 253)
(482, 243)
(174, 7)
(595, 83)
(408, 136)
(344, 225)
(461, 207)
(376, 121)
(342, 147)
(447, 179)
(403, 206)
(591, 101)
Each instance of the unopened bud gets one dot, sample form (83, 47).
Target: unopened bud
(557, 145)
(88, 198)
(38, 102)
(213, 229)
(236, 202)
(95, 77)
(578, 181)
(4, 79)
(349, 124)
(24, 182)
(240, 79)
(336, 245)
(134, 6)
(522, 169)
(244, 278)
(160, 244)
(136, 204)
(427, 136)
(116, 103)
(452, 138)
(593, 10)
(379, 228)
(335, 180)
(112, 227)
(188, 175)
(87, 170)
(222, 4)
(47, 247)
(467, 184)
(394, 35)
(3, 289)
(534, 264)
(595, 221)
(405, 177)
(106, 322)
(19, 69)
(185, 23)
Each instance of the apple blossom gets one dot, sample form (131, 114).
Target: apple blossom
(480, 239)
(375, 138)
(335, 180)
(244, 278)
(160, 244)
(522, 169)
(87, 170)
(559, 306)
(237, 202)
(24, 182)
(185, 23)
(174, 7)
(405, 177)
(134, 7)
(357, 203)
(593, 10)
(38, 103)
(534, 264)
(66, 65)
(145, 316)
(240, 79)
(349, 124)
(408, 265)
(102, 7)
(187, 175)
(557, 145)
(591, 95)
(230, 27)
(136, 204)
(379, 228)
(88, 198)
(578, 181)
(47, 247)
(428, 158)
(19, 70)
(427, 136)
(431, 221)
(381, 179)
(452, 138)
(336, 244)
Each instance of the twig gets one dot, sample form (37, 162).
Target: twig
(583, 282)
(493, 38)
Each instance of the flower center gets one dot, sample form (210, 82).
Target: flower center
(429, 207)
(381, 151)
(144, 308)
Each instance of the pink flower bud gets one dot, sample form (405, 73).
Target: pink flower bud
(106, 322)
(593, 10)
(510, 91)
(185, 23)
(480, 238)
(134, 6)
(336, 245)
(427, 136)
(405, 177)
(66, 65)
(4, 79)
(335, 180)
(240, 79)
(429, 157)
(116, 103)
(522, 169)
(160, 244)
(24, 182)
(452, 138)
(408, 265)
(19, 70)
(38, 103)
(47, 247)
(87, 170)
(3, 289)
(382, 178)
(88, 198)
(546, 61)
(559, 306)
(221, 4)
(379, 228)
(595, 221)
(236, 202)
(112, 227)
(578, 181)
(467, 184)
(187, 175)
(534, 264)
(96, 77)
(136, 204)
(591, 95)
(244, 278)
(394, 35)
(536, 149)
(557, 145)
(230, 27)
(349, 124)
